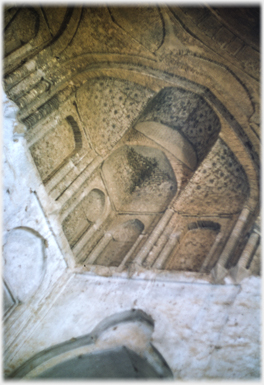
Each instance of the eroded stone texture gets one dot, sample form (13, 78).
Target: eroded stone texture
(148, 31)
(188, 113)
(123, 239)
(192, 250)
(220, 184)
(144, 126)
(108, 108)
(53, 149)
(84, 214)
(21, 25)
(139, 179)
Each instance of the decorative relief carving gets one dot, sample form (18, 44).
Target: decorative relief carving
(219, 185)
(52, 150)
(137, 176)
(187, 113)
(108, 107)
(16, 76)
(38, 89)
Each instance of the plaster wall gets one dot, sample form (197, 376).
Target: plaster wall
(203, 330)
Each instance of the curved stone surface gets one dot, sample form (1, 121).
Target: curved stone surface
(108, 107)
(188, 113)
(80, 219)
(51, 151)
(103, 353)
(124, 237)
(147, 30)
(171, 140)
(139, 179)
(219, 185)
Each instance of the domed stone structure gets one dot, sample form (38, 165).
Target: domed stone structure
(131, 215)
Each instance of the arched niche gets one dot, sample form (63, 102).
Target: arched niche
(219, 185)
(54, 149)
(193, 247)
(182, 122)
(24, 262)
(123, 238)
(87, 212)
(139, 179)
(118, 347)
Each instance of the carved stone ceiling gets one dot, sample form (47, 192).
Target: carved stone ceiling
(143, 124)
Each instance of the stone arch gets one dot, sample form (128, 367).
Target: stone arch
(182, 122)
(156, 81)
(24, 262)
(123, 238)
(87, 212)
(21, 27)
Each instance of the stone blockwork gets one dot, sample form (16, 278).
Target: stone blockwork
(133, 154)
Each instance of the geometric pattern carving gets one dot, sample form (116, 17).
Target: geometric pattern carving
(52, 150)
(187, 113)
(219, 186)
(108, 107)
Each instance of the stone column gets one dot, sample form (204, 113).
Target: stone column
(85, 238)
(219, 271)
(248, 250)
(154, 236)
(211, 252)
(161, 242)
(131, 251)
(256, 261)
(99, 248)
(162, 259)
(241, 271)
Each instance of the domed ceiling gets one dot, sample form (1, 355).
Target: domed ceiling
(144, 128)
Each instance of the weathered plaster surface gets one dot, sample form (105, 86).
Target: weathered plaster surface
(203, 331)
(134, 184)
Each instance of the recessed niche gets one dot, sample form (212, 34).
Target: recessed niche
(88, 211)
